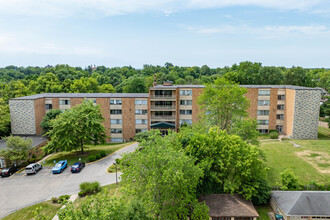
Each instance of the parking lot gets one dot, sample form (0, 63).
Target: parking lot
(21, 190)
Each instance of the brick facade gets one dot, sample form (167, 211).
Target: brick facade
(272, 109)
(39, 111)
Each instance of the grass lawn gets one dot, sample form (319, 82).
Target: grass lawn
(48, 208)
(73, 156)
(263, 212)
(310, 162)
(112, 190)
(112, 168)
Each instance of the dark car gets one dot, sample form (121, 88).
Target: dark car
(77, 167)
(8, 171)
(279, 217)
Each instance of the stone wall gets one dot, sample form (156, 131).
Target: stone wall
(22, 117)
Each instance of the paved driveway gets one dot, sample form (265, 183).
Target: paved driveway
(19, 190)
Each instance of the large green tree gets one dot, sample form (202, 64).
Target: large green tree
(46, 121)
(223, 101)
(17, 149)
(164, 178)
(4, 118)
(83, 124)
(230, 164)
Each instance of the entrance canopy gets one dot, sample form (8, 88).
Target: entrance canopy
(162, 125)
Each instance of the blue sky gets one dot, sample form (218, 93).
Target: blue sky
(186, 33)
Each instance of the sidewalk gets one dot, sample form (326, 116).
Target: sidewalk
(72, 199)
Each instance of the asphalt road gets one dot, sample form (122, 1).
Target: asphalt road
(20, 190)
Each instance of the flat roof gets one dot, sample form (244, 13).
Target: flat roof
(36, 140)
(83, 95)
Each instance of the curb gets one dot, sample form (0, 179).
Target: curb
(109, 154)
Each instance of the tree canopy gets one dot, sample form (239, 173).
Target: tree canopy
(17, 149)
(76, 127)
(46, 121)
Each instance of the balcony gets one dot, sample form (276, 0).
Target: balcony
(162, 117)
(166, 97)
(166, 107)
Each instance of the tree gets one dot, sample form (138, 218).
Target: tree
(222, 102)
(246, 128)
(106, 88)
(230, 164)
(271, 75)
(84, 85)
(4, 118)
(289, 180)
(134, 84)
(164, 178)
(76, 127)
(17, 149)
(46, 121)
(297, 76)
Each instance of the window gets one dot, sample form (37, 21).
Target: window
(164, 113)
(281, 97)
(64, 102)
(141, 112)
(280, 107)
(263, 102)
(280, 116)
(116, 131)
(221, 218)
(279, 128)
(263, 112)
(140, 130)
(48, 106)
(188, 121)
(115, 101)
(141, 102)
(116, 121)
(263, 122)
(185, 112)
(116, 140)
(263, 92)
(263, 131)
(185, 92)
(141, 121)
(185, 102)
(115, 112)
(166, 93)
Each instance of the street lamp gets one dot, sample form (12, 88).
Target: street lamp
(116, 172)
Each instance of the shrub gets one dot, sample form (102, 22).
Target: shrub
(102, 153)
(98, 156)
(144, 135)
(289, 180)
(89, 188)
(63, 198)
(273, 135)
(54, 200)
(91, 158)
(285, 139)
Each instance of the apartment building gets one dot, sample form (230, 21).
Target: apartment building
(291, 110)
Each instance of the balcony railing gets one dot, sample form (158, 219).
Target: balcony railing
(162, 96)
(163, 107)
(167, 117)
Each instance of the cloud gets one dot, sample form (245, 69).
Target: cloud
(67, 8)
(266, 31)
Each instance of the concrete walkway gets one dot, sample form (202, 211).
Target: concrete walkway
(71, 199)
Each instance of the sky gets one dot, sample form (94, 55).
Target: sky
(216, 33)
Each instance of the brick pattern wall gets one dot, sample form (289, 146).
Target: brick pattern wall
(128, 112)
(289, 112)
(76, 101)
(252, 96)
(306, 114)
(196, 111)
(22, 117)
(105, 110)
(39, 110)
(272, 109)
(56, 103)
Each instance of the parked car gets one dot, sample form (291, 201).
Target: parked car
(77, 167)
(8, 171)
(33, 168)
(60, 166)
(279, 217)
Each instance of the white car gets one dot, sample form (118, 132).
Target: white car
(33, 168)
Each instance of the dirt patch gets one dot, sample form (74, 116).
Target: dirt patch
(319, 160)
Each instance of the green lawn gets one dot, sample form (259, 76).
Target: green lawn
(48, 208)
(263, 212)
(310, 162)
(112, 168)
(74, 156)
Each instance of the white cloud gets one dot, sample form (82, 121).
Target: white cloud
(266, 31)
(67, 8)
